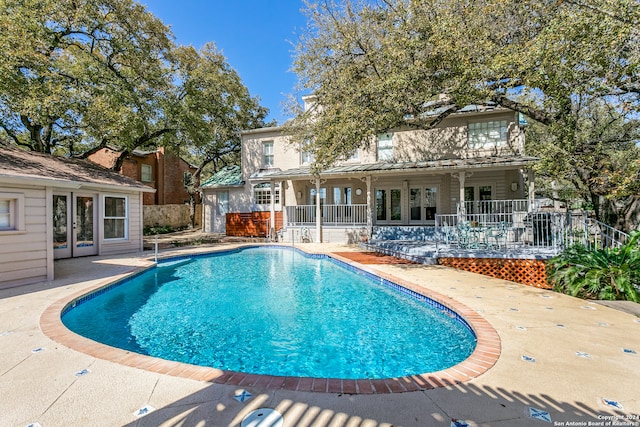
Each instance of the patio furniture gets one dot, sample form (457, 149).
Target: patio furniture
(497, 235)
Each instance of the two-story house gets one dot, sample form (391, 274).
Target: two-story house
(168, 173)
(408, 178)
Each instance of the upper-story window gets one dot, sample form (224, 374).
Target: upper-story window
(267, 154)
(306, 157)
(187, 179)
(488, 134)
(146, 173)
(385, 147)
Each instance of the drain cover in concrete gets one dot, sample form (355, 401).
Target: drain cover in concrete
(263, 417)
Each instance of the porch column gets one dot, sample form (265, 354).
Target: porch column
(532, 190)
(318, 213)
(461, 178)
(369, 207)
(272, 208)
(283, 202)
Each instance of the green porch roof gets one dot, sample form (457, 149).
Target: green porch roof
(228, 176)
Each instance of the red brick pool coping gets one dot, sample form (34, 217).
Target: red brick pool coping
(484, 356)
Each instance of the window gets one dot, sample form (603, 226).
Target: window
(5, 214)
(267, 154)
(385, 147)
(223, 202)
(488, 134)
(146, 173)
(306, 157)
(11, 212)
(262, 194)
(115, 217)
(187, 179)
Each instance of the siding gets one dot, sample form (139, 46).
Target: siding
(23, 256)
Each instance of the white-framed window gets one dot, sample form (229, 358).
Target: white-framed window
(116, 219)
(146, 173)
(11, 212)
(267, 154)
(306, 157)
(385, 147)
(488, 134)
(354, 157)
(262, 193)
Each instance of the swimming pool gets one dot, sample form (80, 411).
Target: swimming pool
(275, 311)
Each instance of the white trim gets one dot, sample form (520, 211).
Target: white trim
(126, 218)
(16, 213)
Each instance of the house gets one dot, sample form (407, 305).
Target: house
(168, 173)
(53, 207)
(407, 178)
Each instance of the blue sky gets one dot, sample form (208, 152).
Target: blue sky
(254, 35)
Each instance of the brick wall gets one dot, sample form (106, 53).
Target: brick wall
(252, 224)
(167, 174)
(530, 272)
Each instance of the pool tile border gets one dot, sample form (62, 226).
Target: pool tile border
(485, 355)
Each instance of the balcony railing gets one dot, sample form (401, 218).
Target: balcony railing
(332, 215)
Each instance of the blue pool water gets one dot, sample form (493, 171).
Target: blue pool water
(274, 311)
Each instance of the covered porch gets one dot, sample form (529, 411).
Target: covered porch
(351, 200)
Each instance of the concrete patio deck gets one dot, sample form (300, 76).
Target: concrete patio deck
(564, 361)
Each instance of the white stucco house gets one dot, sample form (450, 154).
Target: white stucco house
(408, 177)
(53, 207)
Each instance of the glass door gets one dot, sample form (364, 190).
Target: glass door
(388, 205)
(423, 203)
(61, 226)
(84, 225)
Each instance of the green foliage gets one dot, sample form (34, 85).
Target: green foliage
(376, 66)
(74, 74)
(160, 229)
(78, 75)
(605, 274)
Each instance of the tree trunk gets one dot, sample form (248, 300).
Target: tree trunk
(192, 208)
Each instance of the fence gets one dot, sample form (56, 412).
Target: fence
(253, 224)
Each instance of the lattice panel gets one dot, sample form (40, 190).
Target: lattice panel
(526, 271)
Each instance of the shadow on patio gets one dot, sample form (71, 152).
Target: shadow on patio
(477, 405)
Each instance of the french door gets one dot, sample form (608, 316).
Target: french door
(388, 205)
(423, 204)
(74, 225)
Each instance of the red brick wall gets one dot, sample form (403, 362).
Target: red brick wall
(167, 174)
(526, 271)
(252, 224)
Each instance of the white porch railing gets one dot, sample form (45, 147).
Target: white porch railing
(553, 230)
(332, 215)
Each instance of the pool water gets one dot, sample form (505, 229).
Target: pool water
(274, 311)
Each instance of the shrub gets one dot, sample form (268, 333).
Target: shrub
(606, 273)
